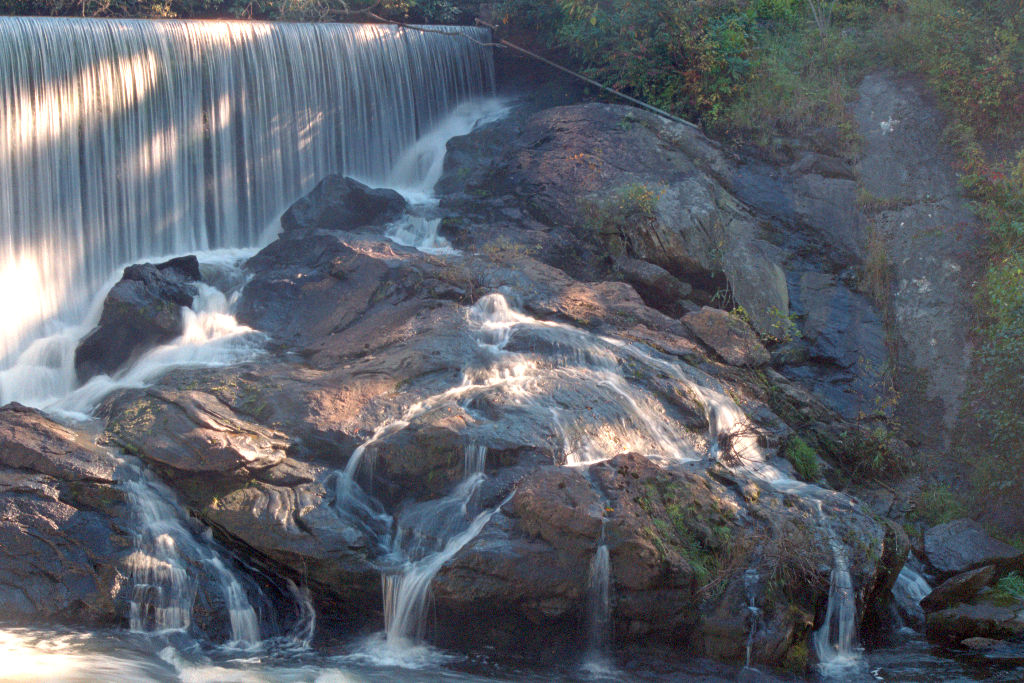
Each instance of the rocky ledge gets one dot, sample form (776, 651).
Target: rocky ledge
(564, 378)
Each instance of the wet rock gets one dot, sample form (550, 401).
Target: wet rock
(141, 311)
(31, 441)
(977, 643)
(65, 529)
(731, 338)
(294, 531)
(959, 588)
(962, 545)
(341, 203)
(190, 431)
(844, 337)
(954, 624)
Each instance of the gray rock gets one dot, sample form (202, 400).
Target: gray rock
(729, 337)
(340, 203)
(954, 624)
(962, 545)
(959, 588)
(141, 311)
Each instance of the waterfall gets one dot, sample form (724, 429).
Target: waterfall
(164, 562)
(125, 139)
(835, 642)
(599, 611)
(751, 578)
(909, 590)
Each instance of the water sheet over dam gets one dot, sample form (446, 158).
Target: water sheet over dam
(126, 139)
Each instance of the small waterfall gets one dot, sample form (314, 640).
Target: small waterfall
(835, 642)
(430, 524)
(599, 611)
(751, 578)
(163, 587)
(211, 337)
(125, 139)
(305, 625)
(909, 590)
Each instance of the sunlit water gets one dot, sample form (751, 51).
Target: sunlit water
(123, 139)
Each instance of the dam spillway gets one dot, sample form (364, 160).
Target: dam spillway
(128, 139)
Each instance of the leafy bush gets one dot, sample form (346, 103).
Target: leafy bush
(936, 505)
(803, 458)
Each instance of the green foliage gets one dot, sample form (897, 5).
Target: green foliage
(936, 505)
(1012, 586)
(615, 218)
(803, 458)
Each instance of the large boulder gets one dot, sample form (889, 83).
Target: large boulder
(959, 588)
(190, 431)
(962, 545)
(341, 203)
(65, 528)
(141, 311)
(983, 620)
(729, 337)
(589, 181)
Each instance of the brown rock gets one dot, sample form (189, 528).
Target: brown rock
(959, 588)
(729, 337)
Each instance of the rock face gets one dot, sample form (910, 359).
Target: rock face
(919, 212)
(142, 310)
(728, 336)
(592, 180)
(64, 526)
(962, 545)
(340, 203)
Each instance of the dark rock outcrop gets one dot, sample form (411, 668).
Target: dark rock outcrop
(962, 545)
(141, 311)
(65, 529)
(341, 203)
(959, 588)
(983, 620)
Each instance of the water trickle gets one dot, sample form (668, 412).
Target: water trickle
(835, 642)
(124, 139)
(599, 610)
(164, 585)
(751, 578)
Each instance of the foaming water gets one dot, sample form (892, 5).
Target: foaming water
(417, 170)
(125, 138)
(909, 590)
(44, 376)
(164, 583)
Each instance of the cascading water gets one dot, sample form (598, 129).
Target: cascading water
(909, 590)
(557, 391)
(835, 643)
(751, 579)
(599, 609)
(125, 139)
(164, 589)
